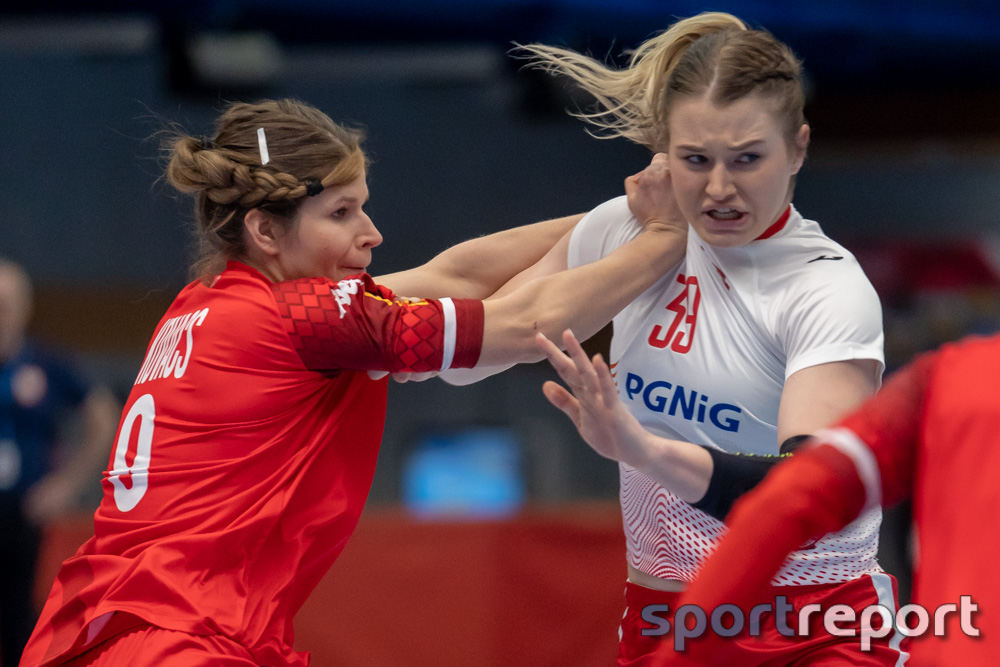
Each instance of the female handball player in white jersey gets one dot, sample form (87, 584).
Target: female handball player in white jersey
(248, 444)
(764, 332)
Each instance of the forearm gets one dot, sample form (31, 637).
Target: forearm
(465, 376)
(477, 268)
(683, 468)
(584, 299)
(707, 478)
(813, 493)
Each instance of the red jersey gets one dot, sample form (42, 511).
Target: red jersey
(931, 435)
(244, 456)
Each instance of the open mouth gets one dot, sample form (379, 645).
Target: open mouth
(727, 216)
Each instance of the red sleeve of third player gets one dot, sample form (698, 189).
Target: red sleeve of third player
(358, 325)
(819, 489)
(890, 423)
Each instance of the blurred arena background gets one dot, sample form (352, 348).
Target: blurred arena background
(492, 535)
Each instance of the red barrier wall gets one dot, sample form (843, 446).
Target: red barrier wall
(545, 588)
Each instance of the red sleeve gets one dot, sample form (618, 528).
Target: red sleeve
(358, 325)
(818, 490)
(889, 425)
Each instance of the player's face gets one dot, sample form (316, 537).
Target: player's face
(333, 236)
(731, 166)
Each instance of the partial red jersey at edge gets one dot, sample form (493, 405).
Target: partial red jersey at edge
(244, 457)
(931, 435)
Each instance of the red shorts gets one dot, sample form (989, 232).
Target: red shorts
(768, 635)
(143, 645)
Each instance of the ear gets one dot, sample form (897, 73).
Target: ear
(262, 231)
(801, 144)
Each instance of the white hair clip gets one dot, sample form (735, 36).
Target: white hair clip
(262, 143)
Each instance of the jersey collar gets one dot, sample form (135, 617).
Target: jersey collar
(778, 225)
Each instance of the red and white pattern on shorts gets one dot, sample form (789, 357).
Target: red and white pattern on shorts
(668, 538)
(366, 327)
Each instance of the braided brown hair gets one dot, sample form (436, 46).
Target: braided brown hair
(228, 179)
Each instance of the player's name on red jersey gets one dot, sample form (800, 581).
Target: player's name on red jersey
(172, 348)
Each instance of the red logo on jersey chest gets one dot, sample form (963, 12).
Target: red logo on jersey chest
(680, 333)
(723, 276)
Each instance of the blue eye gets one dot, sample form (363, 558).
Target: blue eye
(696, 159)
(747, 158)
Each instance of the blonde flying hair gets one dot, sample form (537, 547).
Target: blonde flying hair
(714, 53)
(233, 172)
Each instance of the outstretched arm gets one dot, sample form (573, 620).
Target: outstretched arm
(709, 479)
(552, 263)
(477, 268)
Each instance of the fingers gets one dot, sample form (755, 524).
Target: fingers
(587, 388)
(585, 369)
(377, 375)
(657, 174)
(632, 185)
(609, 392)
(563, 365)
(562, 399)
(651, 197)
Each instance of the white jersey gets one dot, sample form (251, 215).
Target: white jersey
(702, 356)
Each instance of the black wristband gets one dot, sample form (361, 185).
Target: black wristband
(732, 476)
(793, 443)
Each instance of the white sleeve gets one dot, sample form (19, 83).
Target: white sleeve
(831, 313)
(463, 376)
(601, 231)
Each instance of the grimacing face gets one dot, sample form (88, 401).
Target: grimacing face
(731, 166)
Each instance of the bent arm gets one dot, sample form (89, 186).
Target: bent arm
(477, 268)
(553, 262)
(585, 298)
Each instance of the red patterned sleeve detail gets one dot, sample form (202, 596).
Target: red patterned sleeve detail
(358, 325)
(469, 332)
(890, 425)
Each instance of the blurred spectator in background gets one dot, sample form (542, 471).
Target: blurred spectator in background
(41, 476)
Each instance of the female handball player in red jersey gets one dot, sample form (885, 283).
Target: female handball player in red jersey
(248, 444)
(764, 332)
(930, 435)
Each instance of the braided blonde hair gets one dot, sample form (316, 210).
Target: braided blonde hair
(228, 178)
(713, 53)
